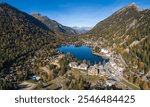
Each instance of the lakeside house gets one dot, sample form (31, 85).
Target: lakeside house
(105, 53)
(76, 65)
(83, 66)
(92, 70)
(73, 65)
(97, 69)
(103, 50)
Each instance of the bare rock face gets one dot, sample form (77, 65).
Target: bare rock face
(134, 5)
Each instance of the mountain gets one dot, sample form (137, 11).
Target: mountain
(20, 35)
(55, 26)
(81, 30)
(128, 32)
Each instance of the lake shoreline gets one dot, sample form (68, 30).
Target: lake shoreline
(82, 52)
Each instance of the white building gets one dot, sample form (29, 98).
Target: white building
(104, 51)
(73, 65)
(83, 66)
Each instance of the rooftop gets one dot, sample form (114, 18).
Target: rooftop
(83, 65)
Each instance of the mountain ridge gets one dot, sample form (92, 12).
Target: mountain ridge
(54, 25)
(122, 30)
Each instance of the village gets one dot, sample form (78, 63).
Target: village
(109, 69)
(116, 67)
(113, 70)
(98, 70)
(47, 71)
(107, 55)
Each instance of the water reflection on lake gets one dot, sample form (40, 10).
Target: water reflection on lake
(82, 53)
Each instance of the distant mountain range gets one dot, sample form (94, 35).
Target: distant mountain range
(55, 26)
(82, 30)
(128, 32)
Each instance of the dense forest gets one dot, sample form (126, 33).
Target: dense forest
(20, 36)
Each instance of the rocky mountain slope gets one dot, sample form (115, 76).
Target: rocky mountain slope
(55, 26)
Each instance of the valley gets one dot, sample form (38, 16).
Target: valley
(38, 53)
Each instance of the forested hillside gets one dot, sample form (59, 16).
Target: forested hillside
(20, 35)
(128, 32)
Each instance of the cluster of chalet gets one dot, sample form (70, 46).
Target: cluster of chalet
(113, 68)
(92, 70)
(97, 70)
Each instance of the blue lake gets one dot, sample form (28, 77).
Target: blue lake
(82, 53)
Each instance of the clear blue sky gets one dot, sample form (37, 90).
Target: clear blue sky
(75, 12)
